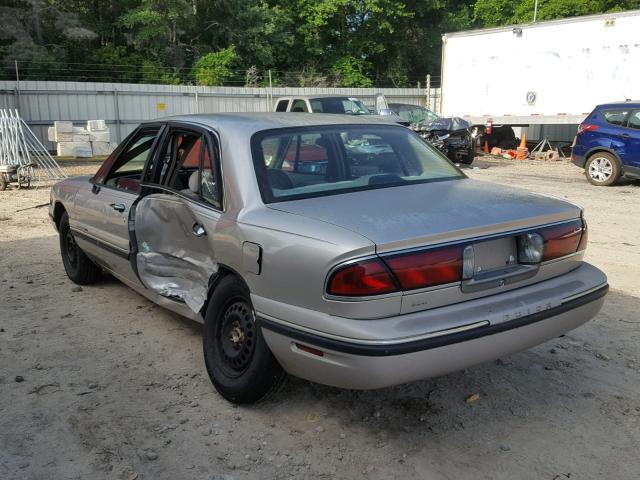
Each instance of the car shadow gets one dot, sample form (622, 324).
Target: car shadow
(580, 370)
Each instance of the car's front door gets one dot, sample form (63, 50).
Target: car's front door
(101, 223)
(632, 139)
(175, 220)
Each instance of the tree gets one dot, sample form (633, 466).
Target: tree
(350, 72)
(215, 68)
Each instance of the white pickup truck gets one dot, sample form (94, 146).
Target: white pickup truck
(322, 104)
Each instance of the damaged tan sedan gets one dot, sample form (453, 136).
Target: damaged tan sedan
(343, 250)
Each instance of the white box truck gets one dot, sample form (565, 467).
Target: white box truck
(543, 74)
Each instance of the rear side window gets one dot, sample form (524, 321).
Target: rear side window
(634, 120)
(316, 161)
(616, 117)
(299, 106)
(282, 106)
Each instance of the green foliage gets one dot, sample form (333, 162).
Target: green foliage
(350, 72)
(303, 42)
(154, 72)
(215, 68)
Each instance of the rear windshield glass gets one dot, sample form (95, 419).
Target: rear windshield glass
(317, 161)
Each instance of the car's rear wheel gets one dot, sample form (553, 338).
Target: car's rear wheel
(602, 169)
(238, 360)
(80, 269)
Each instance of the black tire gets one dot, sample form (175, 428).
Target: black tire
(469, 157)
(602, 169)
(238, 360)
(80, 269)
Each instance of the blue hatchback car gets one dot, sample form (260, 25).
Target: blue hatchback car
(607, 145)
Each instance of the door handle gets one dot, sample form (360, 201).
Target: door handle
(198, 230)
(119, 207)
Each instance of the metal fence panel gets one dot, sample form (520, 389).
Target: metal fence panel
(124, 105)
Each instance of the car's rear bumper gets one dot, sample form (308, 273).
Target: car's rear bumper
(577, 159)
(366, 364)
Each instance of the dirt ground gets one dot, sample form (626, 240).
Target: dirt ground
(98, 383)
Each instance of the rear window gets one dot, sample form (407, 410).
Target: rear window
(616, 117)
(310, 162)
(349, 106)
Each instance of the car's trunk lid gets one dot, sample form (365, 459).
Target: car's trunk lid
(410, 216)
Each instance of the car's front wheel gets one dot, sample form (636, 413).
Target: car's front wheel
(80, 269)
(238, 360)
(602, 169)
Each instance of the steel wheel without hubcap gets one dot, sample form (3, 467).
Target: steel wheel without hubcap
(78, 266)
(238, 360)
(71, 249)
(236, 337)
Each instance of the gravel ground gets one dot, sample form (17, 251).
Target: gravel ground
(97, 382)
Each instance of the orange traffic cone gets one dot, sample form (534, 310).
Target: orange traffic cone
(523, 141)
(486, 146)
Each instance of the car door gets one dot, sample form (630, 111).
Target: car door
(611, 131)
(632, 140)
(100, 224)
(175, 220)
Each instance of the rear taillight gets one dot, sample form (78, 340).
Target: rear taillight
(587, 127)
(427, 268)
(561, 240)
(585, 236)
(438, 266)
(367, 277)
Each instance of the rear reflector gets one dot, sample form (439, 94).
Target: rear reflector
(561, 240)
(311, 350)
(427, 268)
(367, 277)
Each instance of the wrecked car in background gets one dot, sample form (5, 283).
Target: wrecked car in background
(451, 135)
(344, 250)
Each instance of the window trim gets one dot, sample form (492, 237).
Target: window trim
(631, 113)
(260, 168)
(286, 107)
(212, 139)
(123, 146)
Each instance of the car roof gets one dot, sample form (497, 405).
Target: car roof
(628, 103)
(319, 95)
(250, 123)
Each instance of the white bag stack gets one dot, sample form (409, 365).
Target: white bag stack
(100, 137)
(75, 149)
(102, 148)
(80, 134)
(80, 141)
(97, 125)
